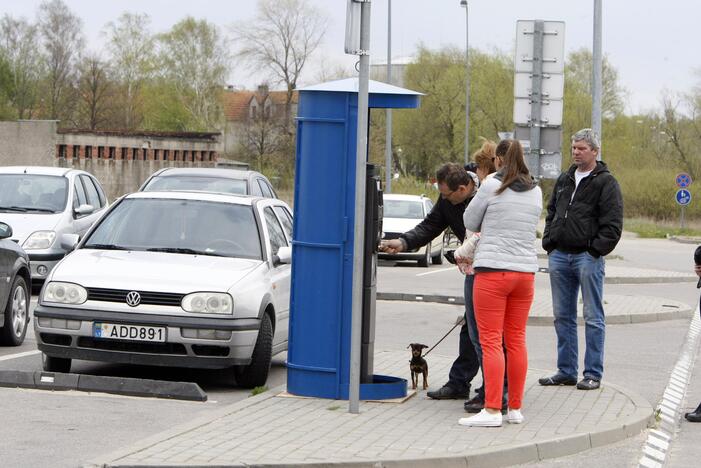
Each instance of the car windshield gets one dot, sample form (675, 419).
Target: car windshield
(33, 193)
(197, 183)
(407, 209)
(179, 226)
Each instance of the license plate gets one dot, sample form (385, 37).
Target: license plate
(113, 331)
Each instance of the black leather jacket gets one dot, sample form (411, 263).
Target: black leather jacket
(443, 215)
(592, 220)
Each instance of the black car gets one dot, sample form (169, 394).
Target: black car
(15, 281)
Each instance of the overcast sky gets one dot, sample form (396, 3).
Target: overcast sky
(654, 45)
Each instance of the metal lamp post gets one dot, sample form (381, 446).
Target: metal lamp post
(463, 3)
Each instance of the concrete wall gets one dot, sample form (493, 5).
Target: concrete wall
(37, 143)
(28, 142)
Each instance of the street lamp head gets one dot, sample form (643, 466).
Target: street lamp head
(463, 3)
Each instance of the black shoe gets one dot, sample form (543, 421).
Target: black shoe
(557, 379)
(695, 416)
(474, 405)
(587, 383)
(446, 392)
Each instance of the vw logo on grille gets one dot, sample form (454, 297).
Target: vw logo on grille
(133, 298)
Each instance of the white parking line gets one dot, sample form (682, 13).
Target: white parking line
(658, 440)
(19, 355)
(437, 271)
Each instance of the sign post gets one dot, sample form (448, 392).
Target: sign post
(683, 196)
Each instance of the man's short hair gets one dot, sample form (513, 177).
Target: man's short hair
(453, 175)
(589, 136)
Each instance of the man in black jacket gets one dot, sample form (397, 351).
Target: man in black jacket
(456, 188)
(583, 224)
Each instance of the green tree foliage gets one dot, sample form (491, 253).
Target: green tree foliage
(132, 50)
(435, 133)
(6, 110)
(195, 61)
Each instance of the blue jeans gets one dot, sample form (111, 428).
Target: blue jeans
(466, 366)
(569, 273)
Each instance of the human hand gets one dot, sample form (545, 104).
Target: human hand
(392, 246)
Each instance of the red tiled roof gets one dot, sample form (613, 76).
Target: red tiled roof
(236, 104)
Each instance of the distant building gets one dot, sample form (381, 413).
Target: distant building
(242, 108)
(378, 70)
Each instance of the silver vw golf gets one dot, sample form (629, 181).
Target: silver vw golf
(175, 279)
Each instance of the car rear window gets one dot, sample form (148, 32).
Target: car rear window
(190, 226)
(197, 183)
(406, 209)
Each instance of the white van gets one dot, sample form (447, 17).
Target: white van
(43, 203)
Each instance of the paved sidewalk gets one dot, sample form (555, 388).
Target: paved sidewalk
(272, 429)
(619, 308)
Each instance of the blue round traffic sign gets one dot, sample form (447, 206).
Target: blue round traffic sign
(683, 197)
(683, 180)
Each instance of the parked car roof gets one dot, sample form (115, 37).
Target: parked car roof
(205, 172)
(207, 196)
(398, 196)
(38, 170)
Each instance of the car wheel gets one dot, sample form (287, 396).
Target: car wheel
(256, 373)
(55, 364)
(426, 258)
(16, 314)
(438, 259)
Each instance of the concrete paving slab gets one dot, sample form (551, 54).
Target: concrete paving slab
(272, 430)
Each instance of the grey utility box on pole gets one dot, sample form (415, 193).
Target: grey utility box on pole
(539, 81)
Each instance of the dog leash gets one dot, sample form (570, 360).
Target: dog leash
(462, 321)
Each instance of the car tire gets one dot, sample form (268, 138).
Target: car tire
(55, 364)
(16, 314)
(438, 259)
(255, 374)
(426, 260)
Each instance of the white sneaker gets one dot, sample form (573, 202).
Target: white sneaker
(482, 419)
(514, 416)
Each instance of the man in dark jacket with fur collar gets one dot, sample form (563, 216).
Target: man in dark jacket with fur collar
(583, 224)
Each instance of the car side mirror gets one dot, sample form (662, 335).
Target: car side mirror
(69, 241)
(5, 230)
(283, 256)
(83, 210)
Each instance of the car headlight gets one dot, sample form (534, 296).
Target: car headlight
(64, 293)
(208, 303)
(39, 240)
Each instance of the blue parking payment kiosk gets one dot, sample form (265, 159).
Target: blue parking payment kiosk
(318, 360)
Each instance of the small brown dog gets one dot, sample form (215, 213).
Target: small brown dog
(418, 365)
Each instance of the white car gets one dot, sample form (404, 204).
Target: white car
(184, 279)
(209, 180)
(401, 213)
(43, 203)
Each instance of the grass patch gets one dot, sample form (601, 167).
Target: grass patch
(258, 390)
(651, 229)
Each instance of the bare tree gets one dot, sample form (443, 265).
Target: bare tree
(94, 89)
(62, 37)
(132, 52)
(19, 44)
(281, 38)
(195, 60)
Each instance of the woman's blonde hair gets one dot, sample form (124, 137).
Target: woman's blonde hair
(484, 157)
(514, 169)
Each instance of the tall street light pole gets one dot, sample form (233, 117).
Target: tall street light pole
(388, 137)
(463, 3)
(597, 65)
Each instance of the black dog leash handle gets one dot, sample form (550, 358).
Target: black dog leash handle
(439, 341)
